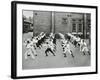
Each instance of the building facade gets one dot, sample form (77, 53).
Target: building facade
(63, 22)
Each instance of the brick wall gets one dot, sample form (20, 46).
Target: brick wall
(62, 21)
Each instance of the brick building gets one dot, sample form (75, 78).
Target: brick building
(64, 22)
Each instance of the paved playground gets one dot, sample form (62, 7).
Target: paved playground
(58, 61)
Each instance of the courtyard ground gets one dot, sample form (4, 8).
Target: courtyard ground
(58, 61)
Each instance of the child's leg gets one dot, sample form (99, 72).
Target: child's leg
(34, 46)
(34, 51)
(80, 47)
(51, 51)
(83, 53)
(46, 52)
(33, 57)
(87, 50)
(26, 53)
(71, 53)
(89, 53)
(64, 52)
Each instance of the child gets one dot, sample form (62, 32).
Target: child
(30, 50)
(50, 48)
(66, 47)
(84, 48)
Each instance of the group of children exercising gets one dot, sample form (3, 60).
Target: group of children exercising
(49, 43)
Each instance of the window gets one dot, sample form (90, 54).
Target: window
(88, 27)
(73, 20)
(74, 27)
(80, 28)
(80, 20)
